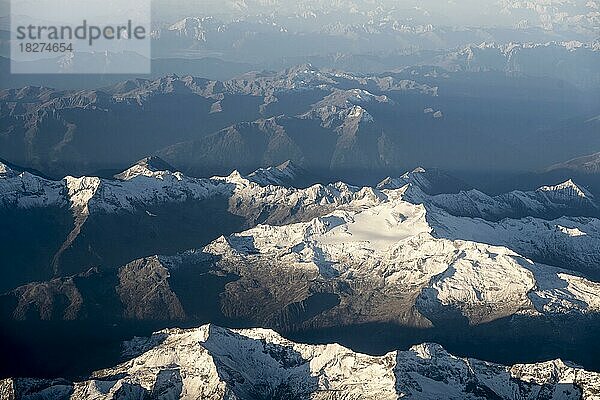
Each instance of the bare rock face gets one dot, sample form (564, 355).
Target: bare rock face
(55, 299)
(145, 292)
(214, 363)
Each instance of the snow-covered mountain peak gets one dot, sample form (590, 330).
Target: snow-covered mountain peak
(284, 174)
(573, 232)
(289, 164)
(5, 170)
(190, 27)
(352, 97)
(416, 176)
(455, 262)
(81, 191)
(418, 170)
(216, 363)
(359, 113)
(364, 96)
(150, 166)
(236, 178)
(427, 351)
(567, 189)
(429, 181)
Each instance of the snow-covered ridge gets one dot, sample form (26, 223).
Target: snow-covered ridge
(422, 186)
(25, 190)
(5, 170)
(428, 181)
(145, 185)
(395, 248)
(585, 164)
(570, 243)
(141, 184)
(508, 48)
(152, 181)
(149, 166)
(567, 242)
(282, 175)
(567, 189)
(215, 363)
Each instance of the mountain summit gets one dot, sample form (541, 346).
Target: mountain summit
(430, 181)
(566, 191)
(5, 170)
(285, 174)
(148, 166)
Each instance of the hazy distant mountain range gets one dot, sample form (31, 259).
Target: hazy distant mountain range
(365, 125)
(573, 61)
(587, 164)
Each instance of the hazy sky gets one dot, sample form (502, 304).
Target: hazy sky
(449, 12)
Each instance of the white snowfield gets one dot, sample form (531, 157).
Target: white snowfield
(213, 363)
(572, 243)
(391, 247)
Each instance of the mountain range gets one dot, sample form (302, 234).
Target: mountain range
(366, 126)
(306, 199)
(210, 362)
(420, 251)
(589, 164)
